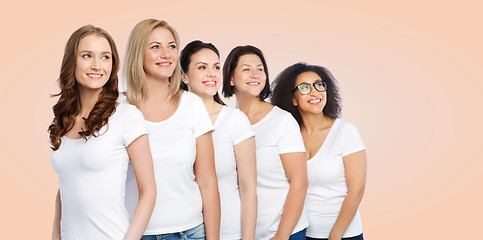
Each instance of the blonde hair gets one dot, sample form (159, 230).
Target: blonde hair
(134, 69)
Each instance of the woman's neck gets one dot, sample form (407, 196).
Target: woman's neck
(314, 122)
(211, 105)
(250, 105)
(253, 107)
(157, 91)
(88, 99)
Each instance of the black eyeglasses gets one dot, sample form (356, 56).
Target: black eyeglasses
(305, 88)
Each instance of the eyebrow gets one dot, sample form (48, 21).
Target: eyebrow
(316, 80)
(160, 42)
(248, 65)
(206, 63)
(87, 51)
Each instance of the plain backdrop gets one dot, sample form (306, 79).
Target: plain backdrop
(410, 74)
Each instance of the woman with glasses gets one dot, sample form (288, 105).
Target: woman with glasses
(336, 164)
(281, 168)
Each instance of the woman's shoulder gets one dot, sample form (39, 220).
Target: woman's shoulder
(189, 96)
(344, 125)
(235, 115)
(283, 115)
(124, 110)
(345, 129)
(232, 111)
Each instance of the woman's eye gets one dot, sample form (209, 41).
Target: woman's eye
(260, 69)
(106, 57)
(245, 69)
(202, 68)
(155, 47)
(86, 55)
(217, 67)
(304, 87)
(172, 46)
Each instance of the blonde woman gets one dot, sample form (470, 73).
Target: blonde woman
(179, 129)
(233, 139)
(94, 138)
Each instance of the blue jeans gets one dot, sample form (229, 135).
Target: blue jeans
(358, 237)
(197, 232)
(300, 235)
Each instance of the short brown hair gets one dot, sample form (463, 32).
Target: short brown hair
(232, 61)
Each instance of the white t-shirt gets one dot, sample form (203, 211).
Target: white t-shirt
(231, 127)
(92, 178)
(173, 147)
(277, 133)
(327, 186)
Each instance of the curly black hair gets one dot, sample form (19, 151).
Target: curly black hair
(284, 84)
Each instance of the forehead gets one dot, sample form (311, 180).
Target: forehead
(94, 43)
(249, 59)
(160, 34)
(308, 77)
(205, 55)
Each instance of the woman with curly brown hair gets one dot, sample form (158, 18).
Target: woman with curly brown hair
(336, 164)
(93, 140)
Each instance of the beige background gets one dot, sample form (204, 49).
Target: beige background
(410, 74)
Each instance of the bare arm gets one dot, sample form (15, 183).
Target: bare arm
(355, 165)
(142, 163)
(247, 181)
(295, 167)
(57, 215)
(205, 173)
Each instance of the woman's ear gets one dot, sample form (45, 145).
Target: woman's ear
(184, 78)
(231, 82)
(294, 102)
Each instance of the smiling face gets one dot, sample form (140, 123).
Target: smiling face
(204, 73)
(161, 54)
(249, 76)
(93, 63)
(313, 102)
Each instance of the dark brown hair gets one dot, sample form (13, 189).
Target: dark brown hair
(185, 60)
(284, 84)
(232, 61)
(68, 105)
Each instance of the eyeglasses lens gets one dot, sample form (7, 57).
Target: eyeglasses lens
(304, 88)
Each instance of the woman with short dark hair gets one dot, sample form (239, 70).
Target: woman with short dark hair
(281, 168)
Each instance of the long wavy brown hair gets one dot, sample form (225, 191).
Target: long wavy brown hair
(68, 105)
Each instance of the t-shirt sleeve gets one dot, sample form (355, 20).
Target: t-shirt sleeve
(290, 137)
(201, 119)
(242, 128)
(133, 125)
(351, 140)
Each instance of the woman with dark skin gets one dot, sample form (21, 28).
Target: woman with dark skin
(335, 153)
